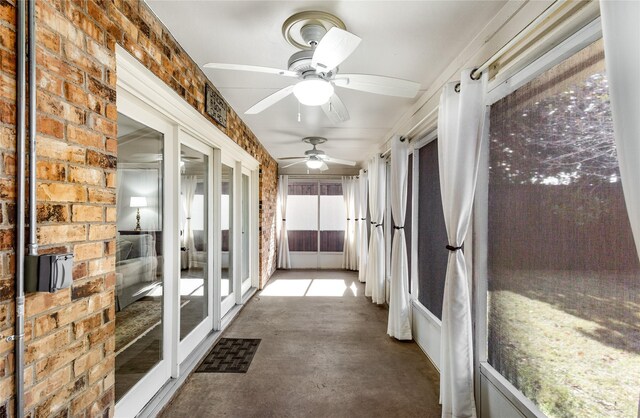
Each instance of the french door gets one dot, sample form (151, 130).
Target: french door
(145, 191)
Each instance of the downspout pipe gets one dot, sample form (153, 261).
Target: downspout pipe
(18, 336)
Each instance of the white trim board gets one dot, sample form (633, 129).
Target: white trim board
(426, 332)
(138, 80)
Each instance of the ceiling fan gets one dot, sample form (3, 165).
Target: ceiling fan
(324, 44)
(315, 158)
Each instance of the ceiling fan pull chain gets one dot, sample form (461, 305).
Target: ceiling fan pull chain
(299, 112)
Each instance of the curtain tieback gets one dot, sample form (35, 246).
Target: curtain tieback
(348, 219)
(363, 219)
(373, 223)
(452, 248)
(379, 225)
(284, 220)
(398, 227)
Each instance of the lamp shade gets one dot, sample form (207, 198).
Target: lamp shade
(313, 92)
(314, 163)
(138, 202)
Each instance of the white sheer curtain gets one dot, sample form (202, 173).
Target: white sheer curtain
(460, 121)
(375, 259)
(399, 325)
(284, 259)
(188, 186)
(621, 34)
(363, 241)
(350, 253)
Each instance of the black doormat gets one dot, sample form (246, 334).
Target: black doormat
(230, 355)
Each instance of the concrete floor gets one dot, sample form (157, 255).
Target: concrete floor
(324, 353)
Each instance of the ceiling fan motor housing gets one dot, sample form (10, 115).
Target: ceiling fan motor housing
(312, 33)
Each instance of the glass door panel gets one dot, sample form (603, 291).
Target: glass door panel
(246, 251)
(139, 253)
(226, 205)
(194, 245)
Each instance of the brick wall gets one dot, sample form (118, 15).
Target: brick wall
(70, 334)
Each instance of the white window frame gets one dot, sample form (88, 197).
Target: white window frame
(318, 259)
(496, 384)
(426, 326)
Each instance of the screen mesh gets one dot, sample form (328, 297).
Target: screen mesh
(564, 279)
(432, 233)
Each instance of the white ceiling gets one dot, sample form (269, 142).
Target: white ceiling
(414, 40)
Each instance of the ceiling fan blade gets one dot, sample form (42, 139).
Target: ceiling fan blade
(269, 100)
(335, 110)
(292, 158)
(297, 162)
(334, 47)
(339, 161)
(252, 68)
(378, 84)
(324, 167)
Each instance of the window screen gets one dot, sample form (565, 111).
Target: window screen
(564, 279)
(432, 238)
(333, 217)
(302, 216)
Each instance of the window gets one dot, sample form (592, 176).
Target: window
(432, 254)
(563, 274)
(316, 216)
(302, 215)
(333, 219)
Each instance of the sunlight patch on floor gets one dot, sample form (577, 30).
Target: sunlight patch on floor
(311, 288)
(327, 288)
(287, 288)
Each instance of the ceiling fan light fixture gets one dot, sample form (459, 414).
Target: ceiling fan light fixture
(314, 163)
(314, 92)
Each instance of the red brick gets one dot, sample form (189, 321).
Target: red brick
(85, 137)
(50, 127)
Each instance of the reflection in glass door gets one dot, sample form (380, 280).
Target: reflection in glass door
(194, 246)
(139, 292)
(246, 252)
(226, 207)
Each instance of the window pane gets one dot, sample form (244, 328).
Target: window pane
(333, 217)
(246, 273)
(302, 213)
(564, 279)
(302, 216)
(139, 253)
(432, 254)
(194, 248)
(226, 203)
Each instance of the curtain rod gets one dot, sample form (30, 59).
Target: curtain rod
(493, 58)
(520, 35)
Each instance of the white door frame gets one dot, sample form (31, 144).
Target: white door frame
(148, 385)
(199, 333)
(144, 97)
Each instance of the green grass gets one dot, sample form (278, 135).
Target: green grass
(570, 345)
